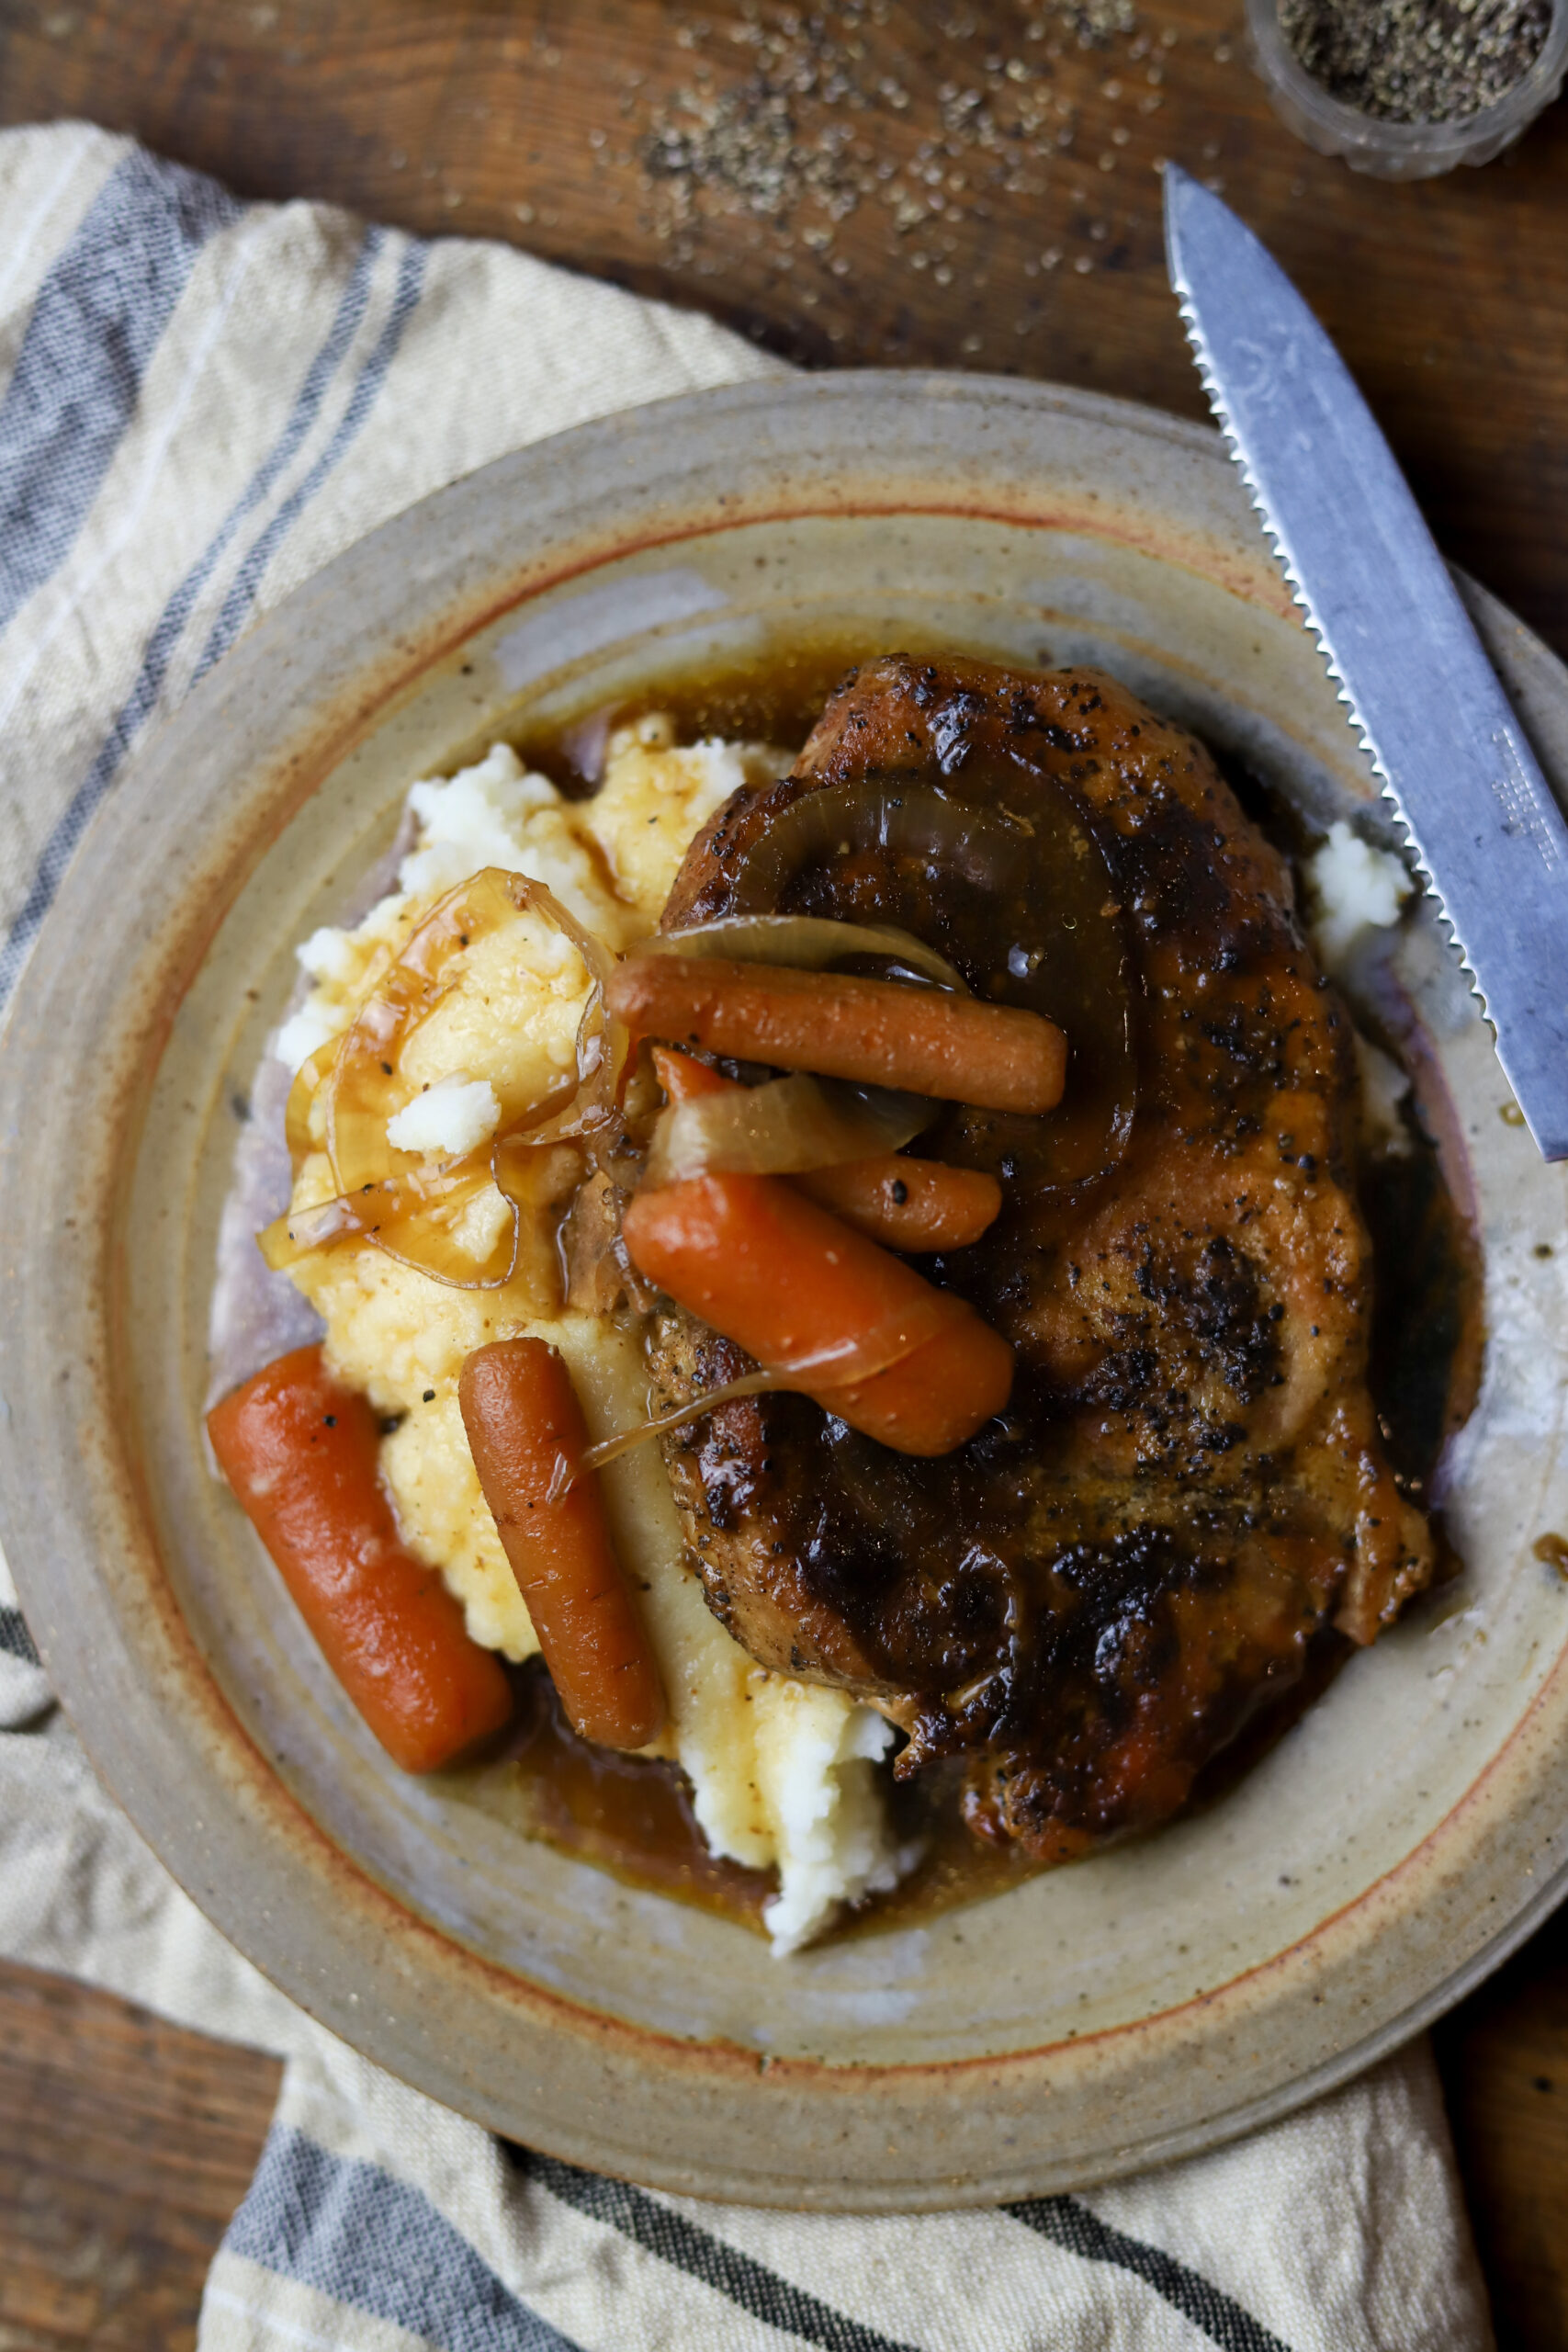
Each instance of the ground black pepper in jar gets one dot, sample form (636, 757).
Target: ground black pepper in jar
(1416, 61)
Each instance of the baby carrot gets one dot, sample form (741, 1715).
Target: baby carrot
(878, 1032)
(526, 1433)
(935, 1398)
(299, 1452)
(686, 1080)
(794, 1286)
(910, 1205)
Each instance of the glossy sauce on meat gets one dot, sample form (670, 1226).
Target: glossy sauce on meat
(1189, 1488)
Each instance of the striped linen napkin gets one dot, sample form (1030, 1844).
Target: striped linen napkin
(201, 401)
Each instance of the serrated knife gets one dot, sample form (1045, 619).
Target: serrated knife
(1482, 822)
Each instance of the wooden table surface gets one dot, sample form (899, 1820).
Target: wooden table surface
(964, 183)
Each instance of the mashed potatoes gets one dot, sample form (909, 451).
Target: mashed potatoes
(781, 1774)
(1353, 888)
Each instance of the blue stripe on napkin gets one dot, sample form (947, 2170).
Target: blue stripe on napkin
(171, 621)
(95, 323)
(15, 1639)
(354, 2233)
(61, 844)
(1071, 2225)
(242, 595)
(701, 2254)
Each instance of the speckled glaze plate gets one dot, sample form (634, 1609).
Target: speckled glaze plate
(1143, 2005)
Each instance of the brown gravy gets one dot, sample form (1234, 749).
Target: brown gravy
(633, 1816)
(630, 1815)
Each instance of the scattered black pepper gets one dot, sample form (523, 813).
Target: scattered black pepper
(1416, 61)
(793, 119)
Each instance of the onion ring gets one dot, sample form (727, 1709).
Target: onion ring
(394, 1200)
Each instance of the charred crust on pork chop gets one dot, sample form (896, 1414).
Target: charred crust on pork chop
(1187, 1487)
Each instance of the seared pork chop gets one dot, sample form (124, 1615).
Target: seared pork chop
(1086, 1601)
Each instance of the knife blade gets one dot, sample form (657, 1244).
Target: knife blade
(1480, 820)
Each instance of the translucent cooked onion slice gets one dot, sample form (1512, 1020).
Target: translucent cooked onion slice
(807, 943)
(904, 818)
(996, 865)
(784, 1128)
(610, 1449)
(425, 1213)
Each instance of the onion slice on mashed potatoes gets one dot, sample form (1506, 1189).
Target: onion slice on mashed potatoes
(782, 1774)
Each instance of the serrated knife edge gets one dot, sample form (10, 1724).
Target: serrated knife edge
(1302, 599)
(1515, 848)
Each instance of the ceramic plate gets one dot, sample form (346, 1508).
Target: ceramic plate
(1140, 2006)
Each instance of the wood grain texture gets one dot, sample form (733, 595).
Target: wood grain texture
(552, 125)
(125, 2145)
(1503, 2059)
(961, 182)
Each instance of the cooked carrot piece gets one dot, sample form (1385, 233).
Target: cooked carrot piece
(686, 1080)
(874, 1343)
(526, 1433)
(913, 1204)
(937, 1397)
(910, 1205)
(299, 1452)
(878, 1032)
(855, 1328)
